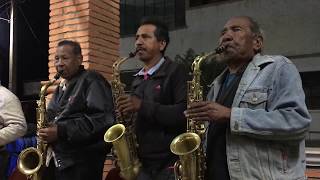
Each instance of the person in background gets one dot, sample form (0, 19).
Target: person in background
(12, 124)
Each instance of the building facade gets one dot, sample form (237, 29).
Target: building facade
(291, 28)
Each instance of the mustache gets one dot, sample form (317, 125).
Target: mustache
(227, 45)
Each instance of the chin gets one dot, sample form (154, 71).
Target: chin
(64, 76)
(224, 58)
(143, 59)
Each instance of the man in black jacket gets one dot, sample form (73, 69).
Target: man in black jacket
(159, 97)
(80, 112)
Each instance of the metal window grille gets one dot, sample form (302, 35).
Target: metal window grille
(172, 12)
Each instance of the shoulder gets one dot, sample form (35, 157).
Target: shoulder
(282, 68)
(174, 67)
(6, 96)
(93, 75)
(283, 64)
(273, 60)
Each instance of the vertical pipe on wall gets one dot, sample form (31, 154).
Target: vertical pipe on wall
(12, 63)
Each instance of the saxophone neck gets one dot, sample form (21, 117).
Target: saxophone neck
(44, 87)
(199, 59)
(116, 85)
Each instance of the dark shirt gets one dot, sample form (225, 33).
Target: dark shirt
(160, 118)
(83, 112)
(216, 149)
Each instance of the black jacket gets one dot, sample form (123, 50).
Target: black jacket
(160, 118)
(83, 113)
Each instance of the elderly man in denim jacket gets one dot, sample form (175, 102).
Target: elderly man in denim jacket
(256, 109)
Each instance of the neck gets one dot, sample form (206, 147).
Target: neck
(152, 62)
(236, 66)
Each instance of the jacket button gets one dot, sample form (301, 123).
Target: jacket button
(254, 99)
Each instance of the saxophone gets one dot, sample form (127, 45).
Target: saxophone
(122, 135)
(31, 159)
(188, 146)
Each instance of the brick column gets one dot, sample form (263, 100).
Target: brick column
(94, 24)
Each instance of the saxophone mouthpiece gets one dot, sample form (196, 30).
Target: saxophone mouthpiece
(133, 54)
(220, 49)
(57, 76)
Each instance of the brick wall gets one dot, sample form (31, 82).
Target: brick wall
(95, 24)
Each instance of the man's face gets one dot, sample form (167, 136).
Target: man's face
(239, 41)
(67, 61)
(147, 45)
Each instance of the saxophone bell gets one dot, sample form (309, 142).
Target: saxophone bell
(189, 146)
(122, 135)
(31, 159)
(186, 146)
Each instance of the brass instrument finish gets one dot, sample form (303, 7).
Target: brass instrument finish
(188, 146)
(122, 135)
(31, 159)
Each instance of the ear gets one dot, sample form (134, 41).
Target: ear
(258, 43)
(79, 59)
(163, 44)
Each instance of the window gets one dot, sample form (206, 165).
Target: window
(172, 12)
(311, 86)
(193, 3)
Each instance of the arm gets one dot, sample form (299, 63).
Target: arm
(90, 125)
(14, 122)
(170, 115)
(286, 116)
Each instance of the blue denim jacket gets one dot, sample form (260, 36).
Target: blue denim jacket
(269, 121)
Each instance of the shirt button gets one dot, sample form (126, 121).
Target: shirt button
(254, 99)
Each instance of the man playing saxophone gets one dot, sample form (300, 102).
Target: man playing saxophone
(256, 109)
(159, 98)
(80, 112)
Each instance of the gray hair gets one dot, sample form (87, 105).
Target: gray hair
(255, 28)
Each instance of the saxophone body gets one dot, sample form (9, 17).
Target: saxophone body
(31, 159)
(122, 135)
(189, 146)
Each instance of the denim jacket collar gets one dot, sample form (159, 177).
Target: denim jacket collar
(248, 76)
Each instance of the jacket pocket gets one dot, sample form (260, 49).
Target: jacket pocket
(254, 99)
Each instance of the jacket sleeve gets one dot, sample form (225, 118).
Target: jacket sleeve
(90, 125)
(286, 116)
(13, 120)
(170, 115)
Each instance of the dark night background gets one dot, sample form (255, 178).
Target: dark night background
(31, 43)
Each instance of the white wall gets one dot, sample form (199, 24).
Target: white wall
(292, 28)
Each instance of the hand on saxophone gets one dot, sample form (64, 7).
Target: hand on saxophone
(128, 104)
(208, 111)
(48, 134)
